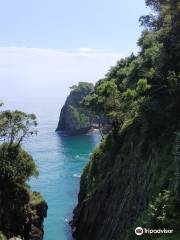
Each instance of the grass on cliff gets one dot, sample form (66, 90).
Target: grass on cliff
(80, 117)
(2, 236)
(35, 198)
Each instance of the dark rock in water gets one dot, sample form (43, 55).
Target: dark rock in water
(73, 118)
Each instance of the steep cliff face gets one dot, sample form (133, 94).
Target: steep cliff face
(22, 213)
(133, 177)
(123, 177)
(73, 119)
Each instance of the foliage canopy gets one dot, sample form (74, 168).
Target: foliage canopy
(16, 165)
(137, 86)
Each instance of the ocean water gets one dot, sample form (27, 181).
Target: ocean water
(60, 161)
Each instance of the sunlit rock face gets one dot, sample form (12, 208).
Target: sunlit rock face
(73, 119)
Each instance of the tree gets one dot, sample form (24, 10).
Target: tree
(82, 87)
(16, 165)
(15, 126)
(155, 4)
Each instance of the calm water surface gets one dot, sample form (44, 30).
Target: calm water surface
(60, 161)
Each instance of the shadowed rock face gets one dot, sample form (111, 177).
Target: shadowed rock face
(119, 182)
(73, 119)
(20, 215)
(36, 224)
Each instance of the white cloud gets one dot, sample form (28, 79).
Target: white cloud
(49, 72)
(88, 50)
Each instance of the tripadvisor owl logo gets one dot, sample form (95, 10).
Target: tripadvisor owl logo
(139, 231)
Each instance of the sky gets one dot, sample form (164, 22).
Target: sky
(48, 45)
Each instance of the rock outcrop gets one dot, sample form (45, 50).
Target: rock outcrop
(38, 213)
(22, 214)
(73, 118)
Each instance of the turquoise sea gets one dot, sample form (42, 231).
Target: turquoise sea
(60, 161)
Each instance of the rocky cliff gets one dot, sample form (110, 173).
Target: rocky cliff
(121, 184)
(22, 213)
(73, 118)
(133, 177)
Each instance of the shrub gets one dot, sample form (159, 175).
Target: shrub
(16, 165)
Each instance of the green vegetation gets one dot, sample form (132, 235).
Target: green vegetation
(2, 237)
(175, 236)
(16, 167)
(35, 198)
(161, 210)
(78, 92)
(79, 116)
(74, 119)
(16, 126)
(145, 88)
(82, 86)
(146, 84)
(141, 98)
(161, 213)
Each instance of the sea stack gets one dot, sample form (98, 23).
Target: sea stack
(74, 119)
